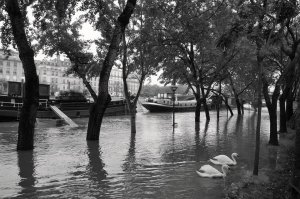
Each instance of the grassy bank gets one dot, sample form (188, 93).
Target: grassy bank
(269, 183)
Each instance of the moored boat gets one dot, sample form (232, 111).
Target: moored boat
(73, 104)
(164, 103)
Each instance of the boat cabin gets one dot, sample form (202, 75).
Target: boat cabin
(166, 99)
(13, 92)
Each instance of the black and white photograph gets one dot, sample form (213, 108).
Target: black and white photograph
(150, 99)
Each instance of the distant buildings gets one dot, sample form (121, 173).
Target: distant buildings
(52, 72)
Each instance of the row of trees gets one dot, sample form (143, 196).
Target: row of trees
(244, 47)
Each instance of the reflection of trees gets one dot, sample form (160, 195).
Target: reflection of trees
(130, 160)
(95, 166)
(27, 169)
(251, 123)
(225, 130)
(200, 144)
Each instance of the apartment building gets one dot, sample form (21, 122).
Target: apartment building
(52, 72)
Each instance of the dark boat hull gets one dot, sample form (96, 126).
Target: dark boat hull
(156, 107)
(71, 109)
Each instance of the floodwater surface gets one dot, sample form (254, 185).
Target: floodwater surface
(155, 163)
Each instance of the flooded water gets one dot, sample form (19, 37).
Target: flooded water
(155, 163)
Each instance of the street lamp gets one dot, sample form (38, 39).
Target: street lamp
(173, 87)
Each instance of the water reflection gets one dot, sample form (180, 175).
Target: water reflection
(95, 167)
(157, 162)
(26, 172)
(200, 148)
(130, 160)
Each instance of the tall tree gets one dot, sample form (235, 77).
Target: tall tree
(15, 25)
(112, 29)
(138, 56)
(296, 174)
(98, 109)
(186, 34)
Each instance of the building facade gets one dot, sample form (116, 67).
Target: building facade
(52, 72)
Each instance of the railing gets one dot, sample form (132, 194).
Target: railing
(18, 106)
(11, 104)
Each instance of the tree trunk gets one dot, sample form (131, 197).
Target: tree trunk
(205, 106)
(242, 107)
(258, 123)
(218, 111)
(133, 120)
(198, 109)
(26, 171)
(272, 110)
(219, 101)
(296, 176)
(283, 128)
(206, 109)
(95, 166)
(31, 97)
(228, 107)
(236, 96)
(98, 109)
(289, 105)
(273, 125)
(238, 105)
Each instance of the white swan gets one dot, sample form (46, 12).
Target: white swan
(223, 159)
(208, 171)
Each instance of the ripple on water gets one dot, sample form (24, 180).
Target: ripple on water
(155, 163)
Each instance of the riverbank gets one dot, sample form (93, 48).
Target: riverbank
(270, 183)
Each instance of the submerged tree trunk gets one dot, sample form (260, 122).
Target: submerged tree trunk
(296, 176)
(238, 105)
(227, 106)
(205, 106)
(206, 109)
(283, 127)
(242, 106)
(133, 121)
(236, 96)
(97, 111)
(272, 109)
(198, 108)
(31, 96)
(289, 105)
(273, 125)
(258, 123)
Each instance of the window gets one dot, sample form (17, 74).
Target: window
(1, 63)
(8, 63)
(15, 72)
(15, 64)
(7, 70)
(1, 70)
(45, 72)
